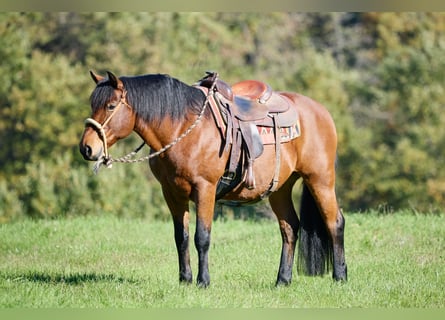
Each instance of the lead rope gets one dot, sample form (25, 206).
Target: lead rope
(108, 160)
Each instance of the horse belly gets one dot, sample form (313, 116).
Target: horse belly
(264, 170)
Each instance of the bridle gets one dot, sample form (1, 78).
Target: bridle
(107, 160)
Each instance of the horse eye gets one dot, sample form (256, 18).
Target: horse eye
(111, 107)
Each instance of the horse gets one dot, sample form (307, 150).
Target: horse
(189, 156)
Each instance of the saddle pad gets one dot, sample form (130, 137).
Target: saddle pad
(287, 133)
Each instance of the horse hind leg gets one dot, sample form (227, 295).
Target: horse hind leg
(321, 243)
(281, 203)
(314, 247)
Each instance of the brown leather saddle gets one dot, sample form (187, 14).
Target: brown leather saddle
(240, 110)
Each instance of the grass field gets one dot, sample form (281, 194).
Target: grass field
(393, 260)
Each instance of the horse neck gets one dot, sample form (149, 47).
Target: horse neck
(158, 135)
(164, 108)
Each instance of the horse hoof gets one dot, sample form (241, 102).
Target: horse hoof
(202, 285)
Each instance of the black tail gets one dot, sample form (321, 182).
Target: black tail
(315, 245)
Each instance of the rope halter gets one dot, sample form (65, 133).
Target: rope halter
(100, 129)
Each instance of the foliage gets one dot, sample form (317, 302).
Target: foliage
(379, 74)
(54, 189)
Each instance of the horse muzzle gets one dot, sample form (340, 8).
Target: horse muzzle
(89, 152)
(91, 145)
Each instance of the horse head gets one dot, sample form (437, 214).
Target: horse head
(112, 117)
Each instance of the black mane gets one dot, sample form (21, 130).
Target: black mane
(153, 97)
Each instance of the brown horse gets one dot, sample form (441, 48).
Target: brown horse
(161, 109)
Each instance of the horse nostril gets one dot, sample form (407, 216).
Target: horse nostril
(86, 151)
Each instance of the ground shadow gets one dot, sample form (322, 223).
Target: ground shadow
(70, 279)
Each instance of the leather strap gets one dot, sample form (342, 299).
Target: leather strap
(274, 184)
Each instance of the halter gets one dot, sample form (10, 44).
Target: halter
(107, 160)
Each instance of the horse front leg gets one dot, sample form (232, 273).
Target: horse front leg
(202, 243)
(205, 205)
(182, 246)
(179, 210)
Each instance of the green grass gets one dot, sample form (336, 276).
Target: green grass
(393, 261)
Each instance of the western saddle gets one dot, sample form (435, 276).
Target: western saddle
(245, 113)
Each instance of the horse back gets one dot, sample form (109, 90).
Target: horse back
(313, 115)
(317, 144)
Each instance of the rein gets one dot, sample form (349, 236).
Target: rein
(107, 160)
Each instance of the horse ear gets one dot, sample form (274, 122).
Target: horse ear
(115, 81)
(96, 77)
